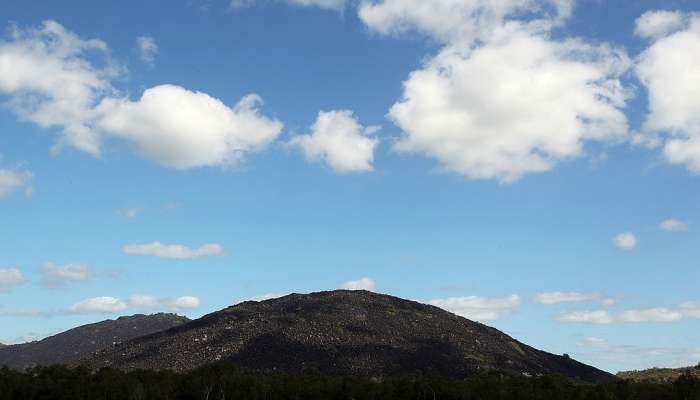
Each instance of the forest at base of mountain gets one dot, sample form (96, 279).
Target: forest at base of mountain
(224, 381)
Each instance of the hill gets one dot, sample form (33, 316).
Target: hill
(339, 333)
(71, 345)
(659, 375)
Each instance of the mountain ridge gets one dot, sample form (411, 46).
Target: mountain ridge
(71, 345)
(338, 332)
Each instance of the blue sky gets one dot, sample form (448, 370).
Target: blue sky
(532, 166)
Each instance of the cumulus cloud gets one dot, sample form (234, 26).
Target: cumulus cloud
(182, 129)
(479, 308)
(51, 79)
(673, 120)
(57, 275)
(112, 305)
(537, 101)
(12, 181)
(625, 241)
(463, 21)
(655, 24)
(685, 311)
(100, 305)
(365, 283)
(147, 48)
(158, 249)
(564, 297)
(673, 225)
(338, 139)
(10, 277)
(48, 75)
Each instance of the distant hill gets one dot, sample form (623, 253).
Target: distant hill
(339, 333)
(659, 375)
(70, 346)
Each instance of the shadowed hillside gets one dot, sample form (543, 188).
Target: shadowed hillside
(71, 345)
(339, 333)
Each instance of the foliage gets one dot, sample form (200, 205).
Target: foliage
(220, 382)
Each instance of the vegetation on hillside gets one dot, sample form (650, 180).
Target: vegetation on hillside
(660, 374)
(220, 382)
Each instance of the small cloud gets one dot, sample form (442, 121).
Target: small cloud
(564, 297)
(593, 342)
(338, 139)
(148, 49)
(181, 252)
(609, 302)
(590, 317)
(22, 313)
(361, 284)
(479, 308)
(12, 181)
(673, 225)
(56, 275)
(10, 277)
(625, 241)
(99, 305)
(112, 305)
(130, 212)
(685, 311)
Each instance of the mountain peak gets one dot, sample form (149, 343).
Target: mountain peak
(339, 332)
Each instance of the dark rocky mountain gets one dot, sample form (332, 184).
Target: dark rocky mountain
(338, 333)
(72, 345)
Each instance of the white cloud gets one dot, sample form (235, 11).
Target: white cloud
(337, 5)
(462, 21)
(179, 303)
(685, 311)
(536, 102)
(130, 212)
(625, 241)
(158, 249)
(111, 305)
(182, 129)
(479, 308)
(659, 314)
(673, 225)
(338, 139)
(591, 317)
(593, 342)
(10, 277)
(365, 283)
(47, 74)
(56, 275)
(674, 101)
(12, 181)
(655, 24)
(30, 313)
(608, 302)
(148, 49)
(51, 80)
(564, 297)
(102, 305)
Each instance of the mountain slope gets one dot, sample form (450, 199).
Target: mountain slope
(659, 375)
(71, 345)
(338, 332)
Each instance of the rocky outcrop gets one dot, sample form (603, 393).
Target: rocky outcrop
(74, 344)
(339, 332)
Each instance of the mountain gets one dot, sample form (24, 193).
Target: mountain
(659, 375)
(339, 333)
(71, 345)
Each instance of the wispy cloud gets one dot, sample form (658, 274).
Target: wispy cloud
(685, 311)
(479, 308)
(176, 251)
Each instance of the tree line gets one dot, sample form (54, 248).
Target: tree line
(226, 382)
